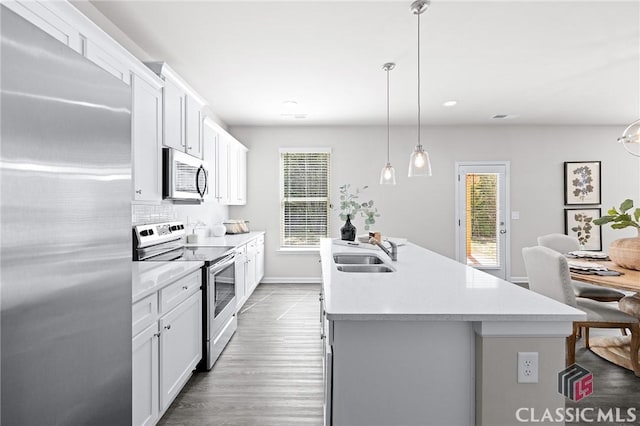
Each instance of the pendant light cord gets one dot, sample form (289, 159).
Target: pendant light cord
(419, 144)
(388, 131)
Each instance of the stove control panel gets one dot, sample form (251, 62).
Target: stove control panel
(157, 233)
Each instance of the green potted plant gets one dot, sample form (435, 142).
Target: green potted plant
(624, 252)
(351, 206)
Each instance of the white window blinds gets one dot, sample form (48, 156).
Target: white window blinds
(304, 197)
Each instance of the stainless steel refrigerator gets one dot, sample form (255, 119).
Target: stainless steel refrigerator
(65, 259)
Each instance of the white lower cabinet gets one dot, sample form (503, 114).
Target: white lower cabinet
(180, 347)
(259, 259)
(145, 376)
(167, 346)
(240, 270)
(249, 268)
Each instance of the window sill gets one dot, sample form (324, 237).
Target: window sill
(298, 250)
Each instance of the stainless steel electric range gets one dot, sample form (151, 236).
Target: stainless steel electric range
(164, 242)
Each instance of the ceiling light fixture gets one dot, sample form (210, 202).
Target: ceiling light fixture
(450, 103)
(388, 174)
(419, 163)
(631, 135)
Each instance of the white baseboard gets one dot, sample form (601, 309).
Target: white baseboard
(291, 280)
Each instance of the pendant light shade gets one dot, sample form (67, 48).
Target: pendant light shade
(419, 162)
(388, 173)
(630, 138)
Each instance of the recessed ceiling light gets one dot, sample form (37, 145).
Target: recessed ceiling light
(450, 103)
(503, 116)
(289, 104)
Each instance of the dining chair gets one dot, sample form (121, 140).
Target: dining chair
(564, 244)
(548, 274)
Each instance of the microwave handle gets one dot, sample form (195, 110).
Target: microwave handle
(203, 190)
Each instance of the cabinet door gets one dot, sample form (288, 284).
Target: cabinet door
(192, 119)
(106, 61)
(250, 278)
(147, 160)
(180, 347)
(232, 173)
(241, 175)
(259, 259)
(222, 167)
(173, 122)
(240, 269)
(209, 140)
(145, 376)
(327, 371)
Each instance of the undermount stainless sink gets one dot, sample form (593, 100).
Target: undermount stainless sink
(364, 268)
(357, 259)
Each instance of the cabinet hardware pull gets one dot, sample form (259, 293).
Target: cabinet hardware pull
(156, 334)
(168, 327)
(139, 191)
(184, 287)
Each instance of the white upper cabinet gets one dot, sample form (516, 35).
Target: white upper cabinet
(210, 137)
(222, 169)
(182, 117)
(237, 173)
(146, 120)
(193, 128)
(173, 116)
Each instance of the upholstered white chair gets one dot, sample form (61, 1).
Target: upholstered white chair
(564, 244)
(548, 274)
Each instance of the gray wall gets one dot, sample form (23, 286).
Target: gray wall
(422, 209)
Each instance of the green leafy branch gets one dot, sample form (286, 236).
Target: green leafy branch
(351, 206)
(622, 218)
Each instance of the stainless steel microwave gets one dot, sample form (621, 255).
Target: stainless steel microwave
(184, 177)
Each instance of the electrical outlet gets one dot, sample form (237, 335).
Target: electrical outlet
(527, 367)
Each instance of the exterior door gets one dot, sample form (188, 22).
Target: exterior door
(482, 205)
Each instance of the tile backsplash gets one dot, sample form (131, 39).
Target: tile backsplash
(141, 214)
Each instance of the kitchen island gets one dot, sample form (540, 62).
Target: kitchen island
(433, 342)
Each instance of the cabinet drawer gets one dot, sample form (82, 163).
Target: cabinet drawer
(144, 313)
(175, 293)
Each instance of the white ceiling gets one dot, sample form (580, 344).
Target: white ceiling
(556, 62)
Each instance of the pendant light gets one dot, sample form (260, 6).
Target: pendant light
(419, 163)
(630, 138)
(388, 174)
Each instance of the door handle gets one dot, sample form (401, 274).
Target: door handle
(503, 231)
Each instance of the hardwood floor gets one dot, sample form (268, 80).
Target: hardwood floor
(271, 371)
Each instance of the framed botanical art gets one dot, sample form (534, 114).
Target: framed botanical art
(581, 182)
(579, 223)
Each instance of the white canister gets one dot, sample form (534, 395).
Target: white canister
(218, 230)
(192, 238)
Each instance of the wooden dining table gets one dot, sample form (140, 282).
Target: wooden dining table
(615, 348)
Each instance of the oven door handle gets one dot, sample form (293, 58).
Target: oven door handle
(223, 263)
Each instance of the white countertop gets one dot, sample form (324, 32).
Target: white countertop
(149, 277)
(229, 240)
(429, 286)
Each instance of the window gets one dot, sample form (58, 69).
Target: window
(304, 196)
